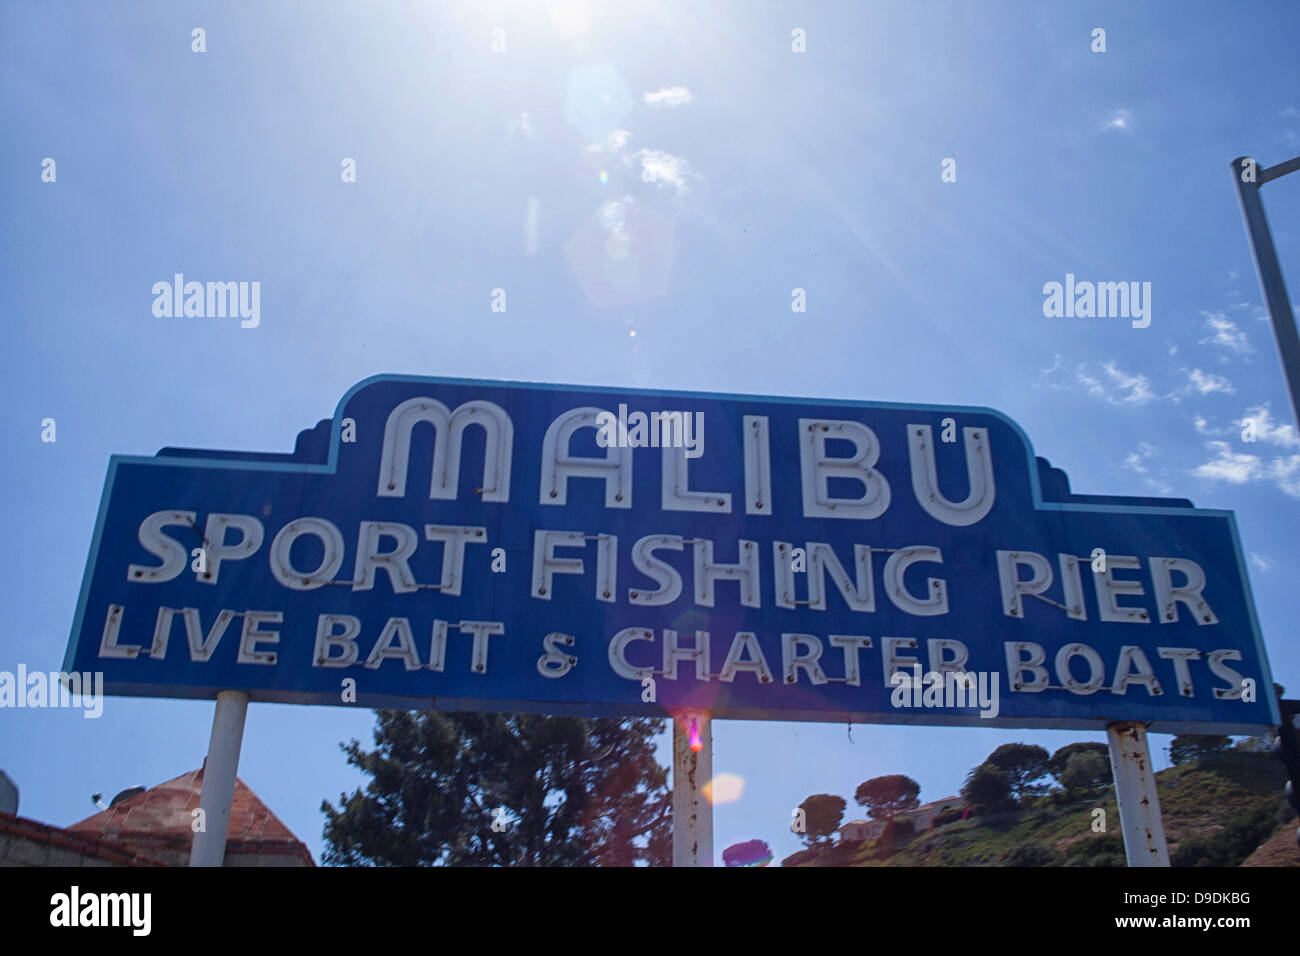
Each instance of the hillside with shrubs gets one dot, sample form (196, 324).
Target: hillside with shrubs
(1222, 805)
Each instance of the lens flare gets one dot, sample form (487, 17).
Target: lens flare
(597, 101)
(622, 254)
(724, 788)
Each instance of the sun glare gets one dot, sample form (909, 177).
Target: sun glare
(571, 19)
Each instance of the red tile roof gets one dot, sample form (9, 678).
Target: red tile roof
(161, 817)
(109, 851)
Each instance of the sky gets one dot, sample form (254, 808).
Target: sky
(527, 146)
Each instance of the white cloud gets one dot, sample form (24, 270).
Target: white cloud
(1285, 473)
(1260, 562)
(1138, 387)
(669, 96)
(613, 216)
(1238, 468)
(1136, 460)
(1268, 430)
(1206, 382)
(1119, 119)
(1226, 334)
(661, 167)
(1230, 466)
(595, 152)
(1111, 383)
(1094, 387)
(1058, 365)
(521, 124)
(1117, 386)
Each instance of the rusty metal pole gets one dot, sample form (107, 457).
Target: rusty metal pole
(1135, 790)
(218, 792)
(692, 770)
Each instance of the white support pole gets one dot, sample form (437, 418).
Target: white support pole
(692, 770)
(209, 847)
(1135, 790)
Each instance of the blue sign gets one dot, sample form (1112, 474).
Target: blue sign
(476, 545)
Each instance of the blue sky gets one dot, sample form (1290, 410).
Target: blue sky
(735, 170)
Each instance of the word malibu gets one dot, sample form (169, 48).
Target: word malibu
(381, 548)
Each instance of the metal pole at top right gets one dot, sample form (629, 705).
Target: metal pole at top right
(1249, 177)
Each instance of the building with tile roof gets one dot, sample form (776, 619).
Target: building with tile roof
(153, 828)
(921, 818)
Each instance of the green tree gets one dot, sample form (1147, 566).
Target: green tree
(503, 789)
(1061, 759)
(986, 786)
(1188, 748)
(748, 853)
(888, 795)
(1085, 771)
(894, 831)
(1023, 764)
(822, 815)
